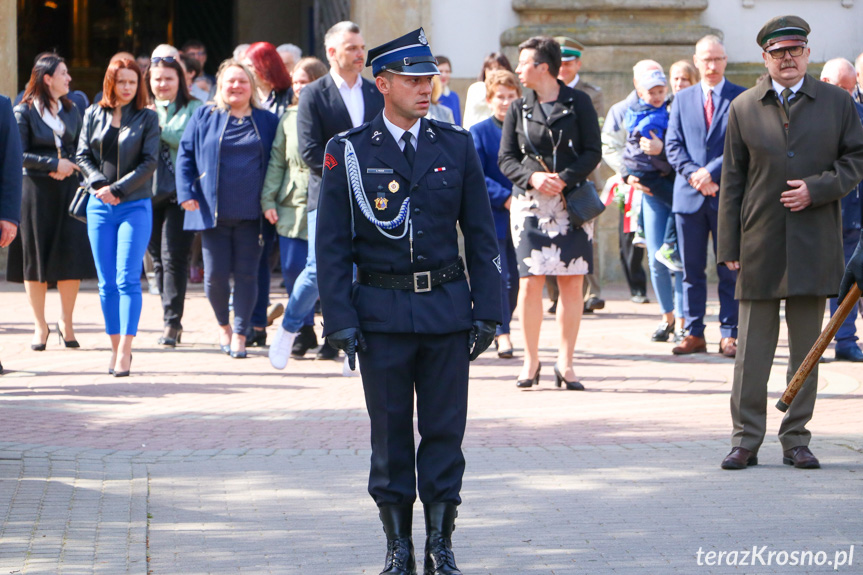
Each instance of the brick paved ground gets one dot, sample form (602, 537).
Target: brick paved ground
(203, 464)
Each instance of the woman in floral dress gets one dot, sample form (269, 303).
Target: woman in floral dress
(550, 145)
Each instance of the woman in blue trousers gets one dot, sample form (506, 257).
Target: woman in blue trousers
(221, 164)
(118, 153)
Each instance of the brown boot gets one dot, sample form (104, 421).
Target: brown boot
(691, 344)
(728, 346)
(739, 458)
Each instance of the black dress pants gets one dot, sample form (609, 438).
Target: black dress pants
(435, 367)
(631, 258)
(169, 248)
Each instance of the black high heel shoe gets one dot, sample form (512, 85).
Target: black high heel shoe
(171, 337)
(571, 385)
(41, 346)
(530, 382)
(70, 343)
(124, 373)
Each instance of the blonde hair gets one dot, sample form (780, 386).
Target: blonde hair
(689, 68)
(231, 63)
(495, 78)
(437, 89)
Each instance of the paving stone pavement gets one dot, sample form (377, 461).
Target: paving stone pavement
(201, 464)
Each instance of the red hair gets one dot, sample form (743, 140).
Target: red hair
(269, 65)
(109, 98)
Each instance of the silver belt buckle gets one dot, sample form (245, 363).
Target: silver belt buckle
(422, 282)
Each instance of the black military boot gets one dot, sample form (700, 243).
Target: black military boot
(440, 523)
(397, 520)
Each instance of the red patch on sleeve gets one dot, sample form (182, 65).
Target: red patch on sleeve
(330, 162)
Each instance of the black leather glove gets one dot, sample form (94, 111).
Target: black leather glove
(481, 336)
(347, 340)
(853, 272)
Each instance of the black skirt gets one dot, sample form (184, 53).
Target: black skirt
(50, 245)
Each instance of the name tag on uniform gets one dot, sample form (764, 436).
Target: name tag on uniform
(379, 171)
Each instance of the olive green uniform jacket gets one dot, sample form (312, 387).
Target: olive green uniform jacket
(784, 253)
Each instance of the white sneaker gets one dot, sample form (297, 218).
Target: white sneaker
(280, 348)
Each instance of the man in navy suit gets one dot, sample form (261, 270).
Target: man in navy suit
(840, 72)
(339, 101)
(694, 145)
(11, 158)
(393, 192)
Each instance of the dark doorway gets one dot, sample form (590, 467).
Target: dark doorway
(209, 21)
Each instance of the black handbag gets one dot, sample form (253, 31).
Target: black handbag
(583, 203)
(165, 186)
(78, 207)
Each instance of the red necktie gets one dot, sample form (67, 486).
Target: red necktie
(708, 108)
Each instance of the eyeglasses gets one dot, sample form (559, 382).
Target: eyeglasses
(167, 59)
(713, 61)
(793, 51)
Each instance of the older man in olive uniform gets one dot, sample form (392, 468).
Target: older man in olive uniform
(793, 148)
(392, 193)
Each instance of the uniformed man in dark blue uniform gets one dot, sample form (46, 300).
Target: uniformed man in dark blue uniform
(393, 191)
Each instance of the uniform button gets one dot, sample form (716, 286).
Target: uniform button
(416, 187)
(417, 210)
(421, 258)
(790, 154)
(420, 234)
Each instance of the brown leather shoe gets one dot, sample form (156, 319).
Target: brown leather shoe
(739, 458)
(800, 457)
(728, 346)
(690, 344)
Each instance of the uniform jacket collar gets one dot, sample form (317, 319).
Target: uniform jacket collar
(388, 152)
(765, 86)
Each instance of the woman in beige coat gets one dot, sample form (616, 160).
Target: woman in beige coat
(283, 199)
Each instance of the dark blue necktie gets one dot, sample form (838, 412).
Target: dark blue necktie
(409, 151)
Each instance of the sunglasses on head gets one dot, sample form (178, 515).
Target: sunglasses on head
(166, 59)
(793, 51)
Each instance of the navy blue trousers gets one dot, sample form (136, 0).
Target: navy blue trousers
(232, 248)
(262, 302)
(692, 236)
(847, 334)
(435, 367)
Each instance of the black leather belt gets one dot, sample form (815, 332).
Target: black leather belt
(419, 282)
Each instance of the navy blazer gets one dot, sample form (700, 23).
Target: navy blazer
(322, 114)
(486, 138)
(197, 170)
(690, 146)
(445, 186)
(11, 159)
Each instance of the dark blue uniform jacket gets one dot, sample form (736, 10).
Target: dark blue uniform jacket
(446, 186)
(11, 158)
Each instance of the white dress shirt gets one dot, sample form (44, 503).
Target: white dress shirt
(779, 88)
(715, 91)
(574, 82)
(352, 96)
(398, 132)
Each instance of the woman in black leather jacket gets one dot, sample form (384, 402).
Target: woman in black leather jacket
(118, 153)
(51, 246)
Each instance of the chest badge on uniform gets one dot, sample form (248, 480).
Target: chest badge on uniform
(381, 203)
(393, 187)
